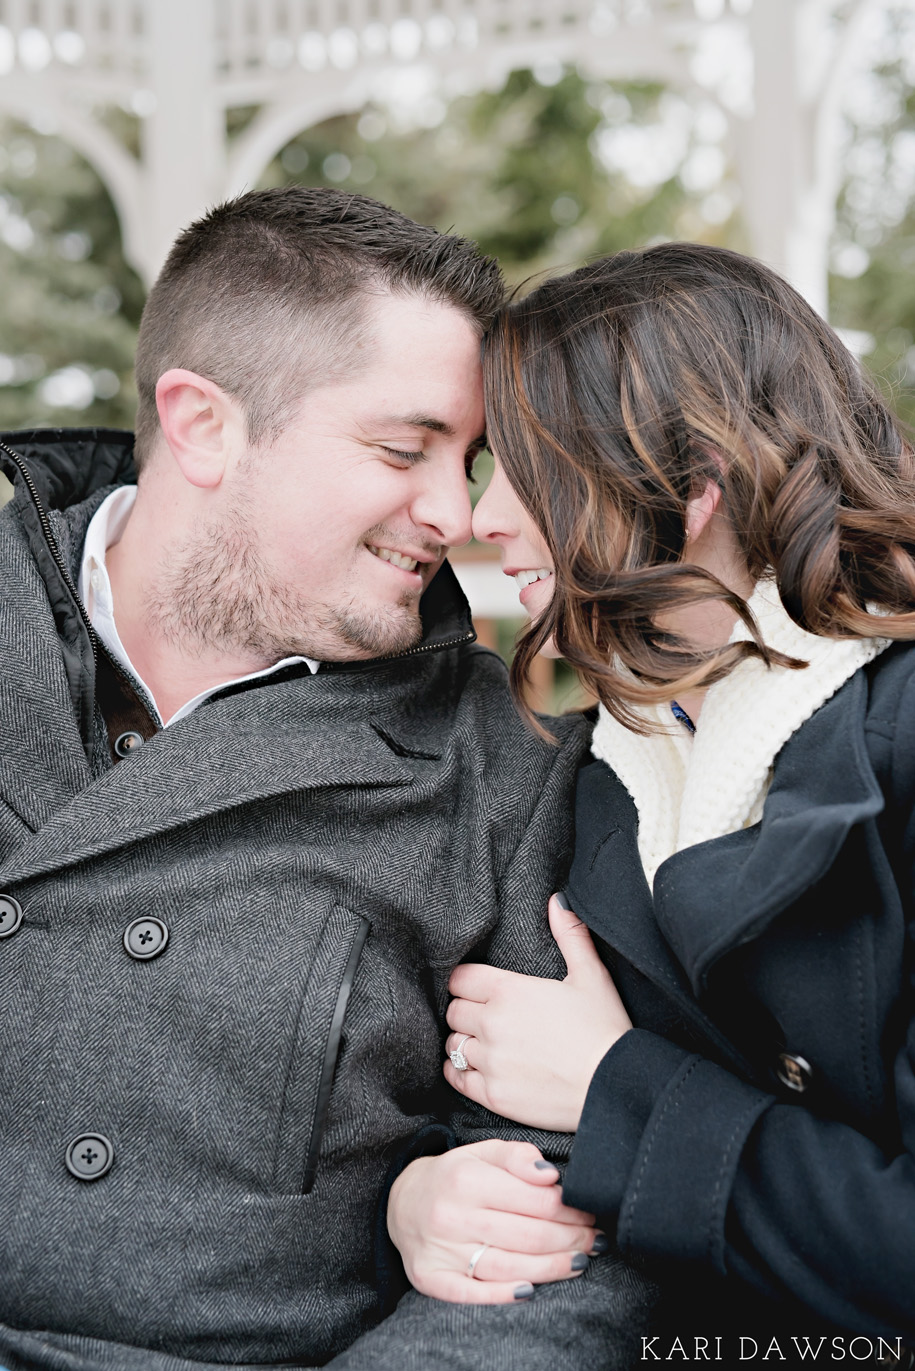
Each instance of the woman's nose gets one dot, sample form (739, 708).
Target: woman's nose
(492, 516)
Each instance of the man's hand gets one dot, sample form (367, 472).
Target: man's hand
(498, 1196)
(533, 1044)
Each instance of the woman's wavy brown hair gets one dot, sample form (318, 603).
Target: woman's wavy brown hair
(614, 393)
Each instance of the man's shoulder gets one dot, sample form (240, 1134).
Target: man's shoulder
(485, 693)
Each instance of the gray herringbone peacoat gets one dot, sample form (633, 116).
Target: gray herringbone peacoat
(321, 851)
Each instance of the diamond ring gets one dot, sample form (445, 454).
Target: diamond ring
(472, 1264)
(460, 1063)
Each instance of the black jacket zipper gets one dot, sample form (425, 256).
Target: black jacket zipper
(52, 543)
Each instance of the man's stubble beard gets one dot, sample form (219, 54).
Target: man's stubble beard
(218, 594)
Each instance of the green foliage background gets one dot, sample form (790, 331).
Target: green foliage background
(877, 213)
(68, 298)
(518, 169)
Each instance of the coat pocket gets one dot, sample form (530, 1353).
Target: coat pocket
(313, 1061)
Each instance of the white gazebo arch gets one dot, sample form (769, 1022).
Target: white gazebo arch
(181, 64)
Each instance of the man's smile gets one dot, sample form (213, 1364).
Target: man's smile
(398, 559)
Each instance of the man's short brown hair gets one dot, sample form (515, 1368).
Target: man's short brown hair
(268, 294)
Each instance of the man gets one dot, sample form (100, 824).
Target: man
(260, 795)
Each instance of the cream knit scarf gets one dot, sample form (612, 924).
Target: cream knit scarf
(689, 788)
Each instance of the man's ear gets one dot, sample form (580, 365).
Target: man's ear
(700, 508)
(199, 422)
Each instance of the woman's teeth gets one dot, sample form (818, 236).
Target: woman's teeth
(527, 578)
(396, 558)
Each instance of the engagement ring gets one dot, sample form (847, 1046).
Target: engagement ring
(460, 1063)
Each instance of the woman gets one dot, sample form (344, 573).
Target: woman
(712, 515)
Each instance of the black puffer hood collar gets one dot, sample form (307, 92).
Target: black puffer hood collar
(68, 465)
(54, 471)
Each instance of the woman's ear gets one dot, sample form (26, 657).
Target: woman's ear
(700, 508)
(198, 422)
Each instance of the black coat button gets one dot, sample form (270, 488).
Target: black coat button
(145, 938)
(794, 1072)
(10, 915)
(125, 743)
(89, 1156)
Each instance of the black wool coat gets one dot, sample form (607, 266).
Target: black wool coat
(759, 1121)
(194, 1143)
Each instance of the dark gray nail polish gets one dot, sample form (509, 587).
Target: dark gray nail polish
(524, 1292)
(562, 900)
(546, 1166)
(601, 1245)
(580, 1262)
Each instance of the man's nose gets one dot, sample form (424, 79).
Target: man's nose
(443, 508)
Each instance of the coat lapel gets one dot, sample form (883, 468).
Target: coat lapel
(607, 885)
(297, 735)
(719, 894)
(608, 889)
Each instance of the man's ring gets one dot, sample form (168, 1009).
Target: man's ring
(460, 1063)
(472, 1264)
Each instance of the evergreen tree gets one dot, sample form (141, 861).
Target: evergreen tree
(69, 305)
(873, 283)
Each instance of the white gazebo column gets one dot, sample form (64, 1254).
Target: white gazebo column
(775, 153)
(789, 149)
(183, 140)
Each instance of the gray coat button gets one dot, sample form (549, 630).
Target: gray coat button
(794, 1071)
(125, 743)
(145, 938)
(89, 1156)
(10, 915)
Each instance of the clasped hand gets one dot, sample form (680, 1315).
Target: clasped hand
(485, 1223)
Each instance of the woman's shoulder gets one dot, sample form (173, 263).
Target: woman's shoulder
(890, 678)
(889, 722)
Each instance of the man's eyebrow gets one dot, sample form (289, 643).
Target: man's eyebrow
(427, 422)
(417, 421)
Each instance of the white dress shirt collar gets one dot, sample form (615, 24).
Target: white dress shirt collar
(105, 528)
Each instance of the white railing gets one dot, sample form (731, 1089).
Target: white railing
(108, 38)
(99, 36)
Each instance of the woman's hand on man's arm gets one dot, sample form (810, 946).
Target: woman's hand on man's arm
(533, 1044)
(484, 1224)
